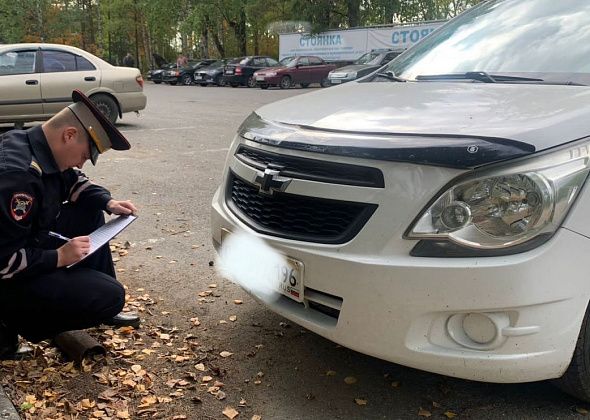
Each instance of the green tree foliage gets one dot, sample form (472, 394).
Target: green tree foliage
(198, 28)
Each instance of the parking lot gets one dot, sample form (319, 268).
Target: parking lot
(281, 371)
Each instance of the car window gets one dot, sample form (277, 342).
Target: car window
(243, 61)
(84, 65)
(17, 62)
(272, 62)
(58, 61)
(390, 57)
(366, 58)
(303, 61)
(259, 62)
(315, 61)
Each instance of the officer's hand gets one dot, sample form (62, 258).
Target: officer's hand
(73, 251)
(121, 207)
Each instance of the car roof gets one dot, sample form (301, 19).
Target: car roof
(44, 45)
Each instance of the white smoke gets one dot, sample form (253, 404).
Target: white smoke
(251, 263)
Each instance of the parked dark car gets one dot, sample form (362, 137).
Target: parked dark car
(296, 70)
(184, 75)
(366, 64)
(211, 74)
(240, 71)
(156, 75)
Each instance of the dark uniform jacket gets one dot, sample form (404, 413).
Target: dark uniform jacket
(32, 191)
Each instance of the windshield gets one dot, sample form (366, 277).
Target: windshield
(288, 61)
(547, 39)
(366, 58)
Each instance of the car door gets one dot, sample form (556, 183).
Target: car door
(62, 72)
(20, 91)
(304, 71)
(317, 69)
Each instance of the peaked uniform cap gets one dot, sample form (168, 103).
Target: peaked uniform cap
(102, 133)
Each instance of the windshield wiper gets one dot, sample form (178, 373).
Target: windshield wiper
(480, 76)
(390, 76)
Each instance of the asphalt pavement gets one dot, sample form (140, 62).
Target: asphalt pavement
(179, 145)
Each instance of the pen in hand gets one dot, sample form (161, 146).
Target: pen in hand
(58, 236)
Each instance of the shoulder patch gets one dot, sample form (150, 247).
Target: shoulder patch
(20, 205)
(36, 168)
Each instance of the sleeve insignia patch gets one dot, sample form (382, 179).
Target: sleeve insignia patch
(21, 205)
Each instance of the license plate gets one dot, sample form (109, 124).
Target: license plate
(229, 72)
(260, 78)
(290, 279)
(289, 275)
(336, 81)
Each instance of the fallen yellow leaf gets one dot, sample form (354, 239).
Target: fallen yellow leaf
(349, 380)
(450, 414)
(230, 412)
(225, 354)
(360, 401)
(424, 413)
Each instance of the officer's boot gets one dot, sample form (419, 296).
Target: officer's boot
(8, 342)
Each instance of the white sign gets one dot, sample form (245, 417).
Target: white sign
(352, 43)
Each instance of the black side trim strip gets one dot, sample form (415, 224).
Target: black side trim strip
(21, 102)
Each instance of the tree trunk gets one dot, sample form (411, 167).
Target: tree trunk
(354, 13)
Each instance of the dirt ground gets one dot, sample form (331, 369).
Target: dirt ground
(205, 349)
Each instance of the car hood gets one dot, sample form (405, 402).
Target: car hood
(355, 67)
(542, 116)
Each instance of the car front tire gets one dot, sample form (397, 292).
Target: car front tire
(576, 379)
(186, 80)
(107, 106)
(285, 82)
(251, 82)
(325, 82)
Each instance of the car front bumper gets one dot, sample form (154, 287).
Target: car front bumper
(401, 308)
(269, 80)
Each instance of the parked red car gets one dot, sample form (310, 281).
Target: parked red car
(300, 70)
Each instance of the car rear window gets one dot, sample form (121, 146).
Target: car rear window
(82, 64)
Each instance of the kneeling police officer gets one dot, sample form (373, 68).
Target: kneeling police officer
(43, 190)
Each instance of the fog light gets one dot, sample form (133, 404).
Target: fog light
(479, 328)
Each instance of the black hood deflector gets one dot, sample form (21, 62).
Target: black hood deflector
(461, 152)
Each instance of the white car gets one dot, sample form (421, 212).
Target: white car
(436, 214)
(37, 80)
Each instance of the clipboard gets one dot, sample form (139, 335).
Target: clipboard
(105, 233)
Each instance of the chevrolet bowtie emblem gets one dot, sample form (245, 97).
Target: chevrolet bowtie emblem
(270, 180)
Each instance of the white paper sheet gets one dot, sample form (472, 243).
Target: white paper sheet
(106, 232)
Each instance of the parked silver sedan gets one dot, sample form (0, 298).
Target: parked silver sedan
(37, 80)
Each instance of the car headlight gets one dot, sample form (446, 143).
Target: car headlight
(508, 205)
